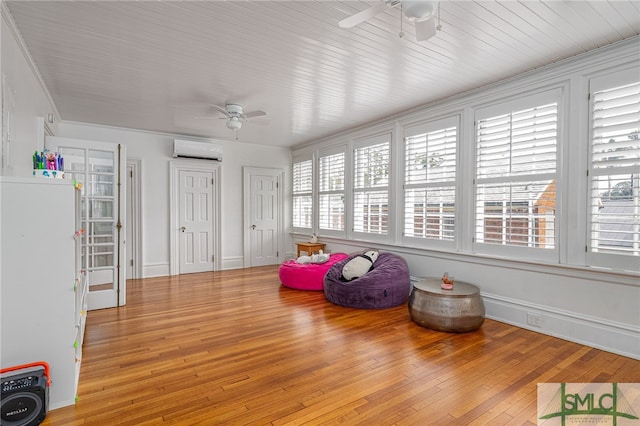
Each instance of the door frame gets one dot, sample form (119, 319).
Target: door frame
(135, 246)
(247, 197)
(103, 298)
(175, 167)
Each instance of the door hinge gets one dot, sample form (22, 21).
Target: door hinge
(131, 173)
(586, 248)
(277, 254)
(589, 96)
(213, 257)
(131, 262)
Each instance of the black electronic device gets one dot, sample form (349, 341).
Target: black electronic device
(24, 397)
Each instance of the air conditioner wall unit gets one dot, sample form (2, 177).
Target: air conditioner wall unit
(195, 149)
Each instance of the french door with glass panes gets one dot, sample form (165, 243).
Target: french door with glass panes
(99, 167)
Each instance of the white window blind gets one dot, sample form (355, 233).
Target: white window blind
(302, 194)
(515, 185)
(429, 185)
(615, 169)
(371, 187)
(331, 192)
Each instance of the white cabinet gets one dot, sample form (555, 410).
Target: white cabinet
(43, 293)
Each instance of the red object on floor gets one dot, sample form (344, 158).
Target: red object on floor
(31, 364)
(307, 276)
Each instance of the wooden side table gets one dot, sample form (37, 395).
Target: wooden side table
(310, 247)
(458, 310)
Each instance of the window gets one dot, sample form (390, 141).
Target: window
(371, 186)
(331, 192)
(430, 178)
(516, 173)
(302, 194)
(614, 172)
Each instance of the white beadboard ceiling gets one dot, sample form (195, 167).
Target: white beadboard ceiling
(157, 65)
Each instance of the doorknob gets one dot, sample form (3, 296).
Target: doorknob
(182, 229)
(253, 227)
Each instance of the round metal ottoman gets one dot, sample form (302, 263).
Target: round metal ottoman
(458, 310)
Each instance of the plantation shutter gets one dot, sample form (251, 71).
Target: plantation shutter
(371, 186)
(614, 198)
(302, 194)
(331, 191)
(430, 178)
(515, 185)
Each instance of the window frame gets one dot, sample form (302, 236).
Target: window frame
(417, 129)
(303, 194)
(606, 259)
(501, 107)
(341, 149)
(360, 143)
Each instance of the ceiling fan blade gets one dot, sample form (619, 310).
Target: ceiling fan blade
(220, 109)
(425, 29)
(362, 16)
(255, 114)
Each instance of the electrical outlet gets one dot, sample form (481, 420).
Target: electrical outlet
(534, 319)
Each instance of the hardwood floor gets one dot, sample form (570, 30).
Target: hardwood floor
(236, 348)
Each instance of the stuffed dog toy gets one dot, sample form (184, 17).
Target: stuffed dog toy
(359, 265)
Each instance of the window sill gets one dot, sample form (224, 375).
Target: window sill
(593, 273)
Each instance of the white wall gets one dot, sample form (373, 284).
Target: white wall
(155, 152)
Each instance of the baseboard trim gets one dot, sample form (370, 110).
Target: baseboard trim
(618, 338)
(151, 270)
(236, 262)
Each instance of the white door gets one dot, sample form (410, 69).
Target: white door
(196, 221)
(97, 167)
(263, 213)
(194, 196)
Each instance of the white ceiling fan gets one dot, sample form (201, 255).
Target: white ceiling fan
(235, 115)
(421, 12)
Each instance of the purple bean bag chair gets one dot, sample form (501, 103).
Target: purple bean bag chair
(306, 276)
(386, 285)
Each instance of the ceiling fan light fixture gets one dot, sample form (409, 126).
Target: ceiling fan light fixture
(417, 10)
(234, 123)
(235, 115)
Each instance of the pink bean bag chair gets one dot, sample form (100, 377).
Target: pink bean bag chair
(307, 277)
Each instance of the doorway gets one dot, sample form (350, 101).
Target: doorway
(263, 213)
(195, 216)
(98, 167)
